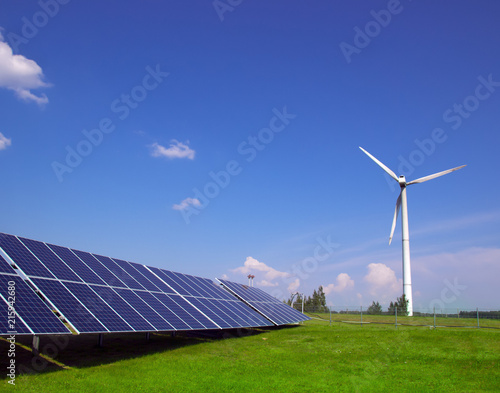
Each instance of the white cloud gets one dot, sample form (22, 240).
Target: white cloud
(225, 276)
(175, 150)
(186, 203)
(21, 75)
(343, 282)
(255, 267)
(265, 283)
(294, 285)
(383, 282)
(4, 142)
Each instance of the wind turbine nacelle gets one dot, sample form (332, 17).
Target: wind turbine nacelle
(402, 180)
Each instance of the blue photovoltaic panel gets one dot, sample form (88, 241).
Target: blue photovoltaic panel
(207, 297)
(270, 307)
(98, 307)
(151, 277)
(76, 264)
(175, 320)
(99, 269)
(216, 290)
(188, 282)
(35, 313)
(184, 310)
(245, 314)
(123, 309)
(221, 315)
(216, 315)
(22, 257)
(11, 325)
(5, 267)
(184, 303)
(69, 306)
(149, 313)
(119, 272)
(165, 276)
(129, 268)
(50, 260)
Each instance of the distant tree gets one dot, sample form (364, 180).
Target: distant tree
(375, 308)
(322, 298)
(316, 302)
(401, 304)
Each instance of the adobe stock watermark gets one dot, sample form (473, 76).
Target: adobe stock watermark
(372, 29)
(223, 6)
(323, 250)
(11, 331)
(31, 26)
(121, 108)
(454, 117)
(249, 149)
(449, 294)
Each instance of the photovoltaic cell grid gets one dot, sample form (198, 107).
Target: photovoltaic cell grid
(30, 310)
(274, 310)
(98, 294)
(215, 302)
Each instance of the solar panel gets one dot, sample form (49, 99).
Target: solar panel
(22, 256)
(274, 310)
(50, 260)
(82, 320)
(138, 276)
(76, 264)
(119, 272)
(123, 309)
(5, 267)
(13, 323)
(98, 268)
(106, 315)
(162, 287)
(153, 316)
(165, 276)
(167, 314)
(194, 318)
(33, 311)
(212, 300)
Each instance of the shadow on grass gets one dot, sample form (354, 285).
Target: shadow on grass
(80, 351)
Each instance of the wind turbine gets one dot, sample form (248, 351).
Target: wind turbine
(401, 204)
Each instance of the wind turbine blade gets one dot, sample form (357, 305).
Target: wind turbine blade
(396, 212)
(430, 177)
(391, 173)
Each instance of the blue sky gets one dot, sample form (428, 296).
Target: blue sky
(221, 138)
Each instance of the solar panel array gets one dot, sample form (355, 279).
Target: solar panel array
(98, 294)
(274, 310)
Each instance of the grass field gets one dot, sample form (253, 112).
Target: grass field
(313, 357)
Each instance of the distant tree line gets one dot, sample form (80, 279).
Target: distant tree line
(316, 302)
(401, 304)
(482, 314)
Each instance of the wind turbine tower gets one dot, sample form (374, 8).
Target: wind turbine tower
(401, 204)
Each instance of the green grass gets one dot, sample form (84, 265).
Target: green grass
(451, 320)
(313, 357)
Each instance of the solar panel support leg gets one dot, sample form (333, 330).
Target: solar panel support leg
(173, 334)
(147, 336)
(35, 345)
(100, 340)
